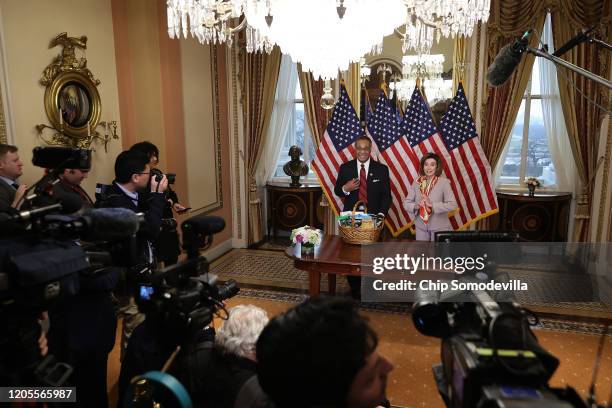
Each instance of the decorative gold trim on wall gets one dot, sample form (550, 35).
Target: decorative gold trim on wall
(3, 136)
(215, 70)
(236, 143)
(214, 77)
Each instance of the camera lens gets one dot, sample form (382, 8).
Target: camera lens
(228, 290)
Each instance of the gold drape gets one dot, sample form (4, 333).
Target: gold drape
(316, 116)
(317, 119)
(258, 77)
(353, 85)
(508, 20)
(458, 62)
(582, 118)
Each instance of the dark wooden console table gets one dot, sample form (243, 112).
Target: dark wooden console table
(543, 217)
(293, 207)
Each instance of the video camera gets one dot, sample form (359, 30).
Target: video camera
(179, 302)
(184, 297)
(490, 356)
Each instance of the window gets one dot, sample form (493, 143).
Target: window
(298, 133)
(528, 151)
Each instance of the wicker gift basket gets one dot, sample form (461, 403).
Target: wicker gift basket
(364, 233)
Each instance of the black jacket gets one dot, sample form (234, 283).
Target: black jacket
(151, 204)
(167, 245)
(62, 189)
(379, 190)
(7, 195)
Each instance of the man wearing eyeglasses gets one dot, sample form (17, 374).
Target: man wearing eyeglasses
(89, 347)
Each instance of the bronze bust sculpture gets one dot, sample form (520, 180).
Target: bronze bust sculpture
(295, 167)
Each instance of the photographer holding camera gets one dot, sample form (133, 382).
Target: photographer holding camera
(129, 190)
(167, 244)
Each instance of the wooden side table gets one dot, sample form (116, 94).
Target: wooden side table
(543, 217)
(293, 207)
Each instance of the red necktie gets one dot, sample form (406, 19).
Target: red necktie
(363, 185)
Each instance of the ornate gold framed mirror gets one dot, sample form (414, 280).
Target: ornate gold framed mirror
(73, 105)
(72, 101)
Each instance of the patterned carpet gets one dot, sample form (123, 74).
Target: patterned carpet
(267, 274)
(411, 383)
(266, 269)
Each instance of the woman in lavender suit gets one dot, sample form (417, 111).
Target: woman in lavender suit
(430, 199)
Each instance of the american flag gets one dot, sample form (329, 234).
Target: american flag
(395, 152)
(468, 162)
(336, 146)
(423, 136)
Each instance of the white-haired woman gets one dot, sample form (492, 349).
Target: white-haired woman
(239, 333)
(232, 361)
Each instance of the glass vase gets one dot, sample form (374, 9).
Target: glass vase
(531, 190)
(307, 249)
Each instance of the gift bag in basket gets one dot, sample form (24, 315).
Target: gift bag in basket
(361, 229)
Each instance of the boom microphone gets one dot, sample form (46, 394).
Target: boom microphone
(581, 37)
(507, 60)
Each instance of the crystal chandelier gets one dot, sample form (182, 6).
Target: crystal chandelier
(449, 18)
(324, 35)
(207, 20)
(312, 32)
(429, 69)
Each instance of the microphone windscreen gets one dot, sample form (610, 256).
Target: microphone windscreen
(204, 224)
(108, 224)
(504, 65)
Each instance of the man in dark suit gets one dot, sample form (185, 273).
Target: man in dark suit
(366, 180)
(11, 192)
(70, 185)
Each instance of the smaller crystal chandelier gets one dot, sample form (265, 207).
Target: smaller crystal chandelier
(210, 21)
(428, 68)
(426, 19)
(364, 70)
